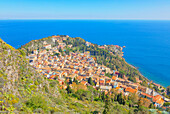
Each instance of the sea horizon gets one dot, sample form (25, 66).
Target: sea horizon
(87, 19)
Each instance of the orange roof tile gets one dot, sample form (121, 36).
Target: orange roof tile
(129, 89)
(83, 82)
(55, 36)
(117, 87)
(160, 101)
(114, 77)
(79, 77)
(76, 72)
(147, 95)
(108, 81)
(101, 81)
(156, 98)
(53, 76)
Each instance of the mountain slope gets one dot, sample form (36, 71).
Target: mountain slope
(19, 82)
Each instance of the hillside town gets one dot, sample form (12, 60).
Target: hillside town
(53, 64)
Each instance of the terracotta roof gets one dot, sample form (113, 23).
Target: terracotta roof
(147, 95)
(129, 89)
(161, 101)
(76, 72)
(53, 76)
(108, 81)
(157, 98)
(55, 36)
(101, 81)
(83, 82)
(114, 77)
(79, 78)
(156, 84)
(102, 47)
(117, 87)
(117, 46)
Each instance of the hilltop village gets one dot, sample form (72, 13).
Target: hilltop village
(76, 67)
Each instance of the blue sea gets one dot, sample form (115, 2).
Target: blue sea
(147, 42)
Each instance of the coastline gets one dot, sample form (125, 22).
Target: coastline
(133, 66)
(149, 80)
(153, 52)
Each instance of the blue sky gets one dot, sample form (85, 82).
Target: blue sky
(85, 9)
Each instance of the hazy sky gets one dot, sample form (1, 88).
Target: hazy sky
(85, 9)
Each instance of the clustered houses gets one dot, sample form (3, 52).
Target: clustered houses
(81, 66)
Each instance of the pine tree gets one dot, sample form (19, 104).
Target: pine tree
(107, 105)
(69, 90)
(70, 81)
(120, 99)
(90, 81)
(75, 81)
(103, 96)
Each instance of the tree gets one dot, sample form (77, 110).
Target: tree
(168, 90)
(121, 73)
(107, 105)
(130, 103)
(144, 102)
(108, 74)
(57, 54)
(167, 104)
(83, 94)
(90, 81)
(120, 99)
(75, 81)
(142, 110)
(69, 90)
(103, 96)
(60, 50)
(94, 93)
(132, 79)
(70, 80)
(133, 97)
(151, 105)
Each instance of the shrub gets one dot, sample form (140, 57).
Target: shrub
(53, 84)
(37, 102)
